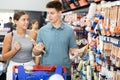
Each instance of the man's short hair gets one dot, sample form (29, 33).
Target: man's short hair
(55, 4)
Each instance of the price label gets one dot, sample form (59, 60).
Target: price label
(105, 38)
(108, 39)
(115, 41)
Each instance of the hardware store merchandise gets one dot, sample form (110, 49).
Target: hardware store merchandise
(96, 26)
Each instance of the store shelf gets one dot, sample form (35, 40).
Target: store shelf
(86, 6)
(78, 8)
(104, 58)
(114, 40)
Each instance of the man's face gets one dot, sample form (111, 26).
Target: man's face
(53, 15)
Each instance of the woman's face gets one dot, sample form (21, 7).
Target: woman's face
(23, 22)
(35, 25)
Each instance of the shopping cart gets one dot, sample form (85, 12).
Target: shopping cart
(38, 73)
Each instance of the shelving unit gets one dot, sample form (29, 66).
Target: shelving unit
(105, 56)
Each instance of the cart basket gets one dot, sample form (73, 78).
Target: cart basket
(39, 72)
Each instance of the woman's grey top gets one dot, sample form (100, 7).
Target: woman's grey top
(25, 52)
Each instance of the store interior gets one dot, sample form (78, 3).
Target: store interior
(96, 24)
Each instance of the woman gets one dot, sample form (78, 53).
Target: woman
(34, 29)
(17, 48)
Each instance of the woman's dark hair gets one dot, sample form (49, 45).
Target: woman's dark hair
(33, 21)
(55, 4)
(18, 14)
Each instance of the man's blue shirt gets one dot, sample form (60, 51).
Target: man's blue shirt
(57, 44)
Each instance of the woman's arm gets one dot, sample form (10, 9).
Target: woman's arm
(6, 52)
(33, 34)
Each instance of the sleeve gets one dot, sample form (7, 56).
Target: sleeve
(39, 36)
(72, 41)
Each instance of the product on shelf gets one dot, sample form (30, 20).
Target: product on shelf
(83, 2)
(97, 0)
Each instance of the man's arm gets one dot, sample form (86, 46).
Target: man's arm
(38, 49)
(78, 52)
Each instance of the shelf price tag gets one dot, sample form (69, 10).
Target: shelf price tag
(105, 38)
(119, 42)
(108, 39)
(115, 41)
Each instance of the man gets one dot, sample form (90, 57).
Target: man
(58, 39)
(9, 24)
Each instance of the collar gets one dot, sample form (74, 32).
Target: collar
(61, 27)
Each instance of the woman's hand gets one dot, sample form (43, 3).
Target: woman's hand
(17, 46)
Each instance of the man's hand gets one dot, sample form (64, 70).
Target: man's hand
(77, 52)
(39, 47)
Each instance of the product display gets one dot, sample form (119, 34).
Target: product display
(96, 25)
(101, 60)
